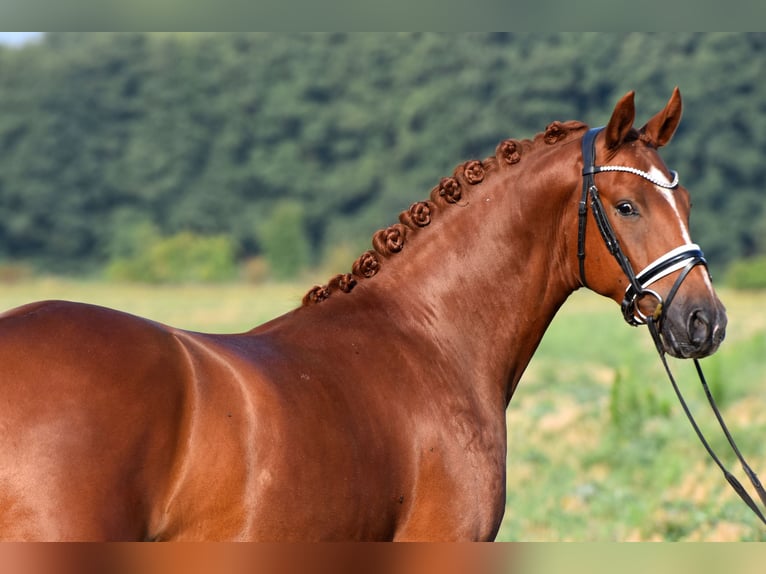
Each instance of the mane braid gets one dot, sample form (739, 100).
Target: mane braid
(448, 192)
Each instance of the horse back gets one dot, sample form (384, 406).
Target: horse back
(117, 427)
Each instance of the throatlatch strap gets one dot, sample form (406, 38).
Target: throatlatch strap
(588, 169)
(589, 188)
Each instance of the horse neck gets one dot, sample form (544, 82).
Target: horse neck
(484, 279)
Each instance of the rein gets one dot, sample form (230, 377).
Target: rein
(732, 480)
(683, 258)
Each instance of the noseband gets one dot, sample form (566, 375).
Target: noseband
(685, 257)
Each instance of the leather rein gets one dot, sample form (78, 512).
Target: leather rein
(683, 259)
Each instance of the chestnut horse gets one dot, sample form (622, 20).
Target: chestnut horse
(374, 411)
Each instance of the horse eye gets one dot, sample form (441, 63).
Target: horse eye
(626, 209)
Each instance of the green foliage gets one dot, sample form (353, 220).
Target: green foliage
(633, 402)
(180, 258)
(747, 274)
(209, 132)
(284, 240)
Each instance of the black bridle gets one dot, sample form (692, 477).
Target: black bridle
(683, 259)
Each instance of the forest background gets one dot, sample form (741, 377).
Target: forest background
(172, 157)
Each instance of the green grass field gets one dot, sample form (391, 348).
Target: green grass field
(599, 449)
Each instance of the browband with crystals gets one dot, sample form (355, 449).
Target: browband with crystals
(645, 175)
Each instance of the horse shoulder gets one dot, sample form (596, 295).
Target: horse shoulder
(365, 393)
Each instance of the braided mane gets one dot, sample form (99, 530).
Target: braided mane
(449, 191)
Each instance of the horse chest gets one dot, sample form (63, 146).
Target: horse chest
(459, 492)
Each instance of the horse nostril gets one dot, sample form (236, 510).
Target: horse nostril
(719, 332)
(699, 328)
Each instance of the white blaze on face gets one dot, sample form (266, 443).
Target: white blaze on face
(669, 195)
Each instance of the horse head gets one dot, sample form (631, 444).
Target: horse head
(643, 255)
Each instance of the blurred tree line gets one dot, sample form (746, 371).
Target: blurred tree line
(295, 147)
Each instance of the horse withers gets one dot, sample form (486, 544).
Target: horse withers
(375, 410)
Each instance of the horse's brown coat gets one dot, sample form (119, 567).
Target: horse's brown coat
(374, 411)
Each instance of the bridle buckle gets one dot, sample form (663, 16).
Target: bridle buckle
(632, 312)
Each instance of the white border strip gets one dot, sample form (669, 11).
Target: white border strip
(660, 260)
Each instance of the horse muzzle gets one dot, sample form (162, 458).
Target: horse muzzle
(693, 325)
(694, 331)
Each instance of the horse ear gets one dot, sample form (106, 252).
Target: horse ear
(621, 121)
(662, 126)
